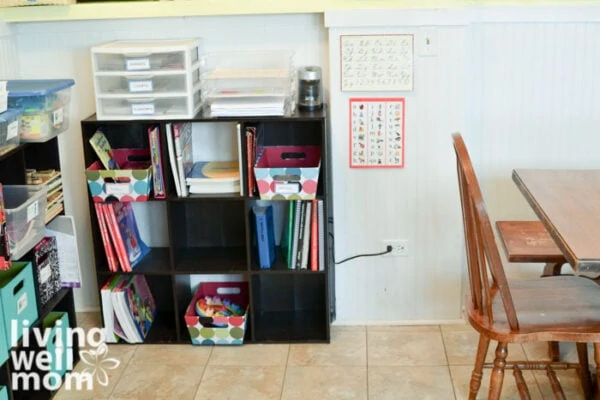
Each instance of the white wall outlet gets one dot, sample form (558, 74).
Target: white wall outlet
(428, 42)
(399, 247)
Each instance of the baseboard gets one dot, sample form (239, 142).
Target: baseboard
(400, 323)
(87, 309)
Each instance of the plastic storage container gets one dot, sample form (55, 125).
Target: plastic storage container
(9, 130)
(44, 104)
(139, 79)
(25, 217)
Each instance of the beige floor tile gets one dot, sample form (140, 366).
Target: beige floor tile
(456, 328)
(121, 353)
(237, 383)
(88, 320)
(360, 328)
(461, 348)
(348, 347)
(250, 355)
(154, 381)
(461, 376)
(172, 354)
(403, 328)
(325, 383)
(399, 347)
(398, 383)
(569, 381)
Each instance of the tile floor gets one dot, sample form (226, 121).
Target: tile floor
(375, 363)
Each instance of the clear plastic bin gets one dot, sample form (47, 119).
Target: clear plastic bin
(150, 107)
(248, 64)
(25, 217)
(9, 130)
(45, 107)
(147, 83)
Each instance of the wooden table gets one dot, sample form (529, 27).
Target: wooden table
(568, 203)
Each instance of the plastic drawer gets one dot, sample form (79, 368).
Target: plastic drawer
(25, 217)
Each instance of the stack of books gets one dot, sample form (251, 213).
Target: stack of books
(120, 235)
(51, 179)
(128, 308)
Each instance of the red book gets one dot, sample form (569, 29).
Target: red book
(314, 238)
(113, 263)
(113, 228)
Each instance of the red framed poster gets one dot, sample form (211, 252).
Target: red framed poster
(376, 132)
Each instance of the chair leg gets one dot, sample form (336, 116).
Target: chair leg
(584, 371)
(597, 361)
(498, 371)
(477, 374)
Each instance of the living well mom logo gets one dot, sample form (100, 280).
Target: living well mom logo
(44, 360)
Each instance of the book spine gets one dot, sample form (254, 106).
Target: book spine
(157, 167)
(110, 255)
(290, 232)
(306, 236)
(172, 158)
(260, 218)
(113, 228)
(314, 238)
(322, 232)
(250, 133)
(294, 251)
(240, 159)
(300, 235)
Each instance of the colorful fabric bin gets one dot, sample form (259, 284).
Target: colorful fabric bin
(218, 330)
(132, 183)
(288, 172)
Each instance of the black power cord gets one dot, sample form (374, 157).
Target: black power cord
(389, 249)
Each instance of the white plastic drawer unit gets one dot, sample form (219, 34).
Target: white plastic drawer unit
(135, 79)
(145, 107)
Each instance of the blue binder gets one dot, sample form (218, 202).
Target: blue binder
(265, 235)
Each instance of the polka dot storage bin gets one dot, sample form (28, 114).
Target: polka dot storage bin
(287, 172)
(131, 183)
(218, 330)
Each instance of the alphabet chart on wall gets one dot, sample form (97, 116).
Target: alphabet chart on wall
(377, 132)
(376, 62)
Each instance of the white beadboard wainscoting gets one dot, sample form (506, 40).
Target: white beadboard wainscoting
(523, 93)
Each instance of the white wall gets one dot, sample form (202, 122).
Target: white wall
(524, 95)
(56, 50)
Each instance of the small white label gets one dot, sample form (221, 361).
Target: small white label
(45, 273)
(32, 211)
(287, 188)
(57, 116)
(137, 64)
(142, 109)
(12, 130)
(22, 303)
(117, 189)
(140, 86)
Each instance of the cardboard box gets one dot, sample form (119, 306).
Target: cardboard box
(287, 172)
(17, 299)
(131, 183)
(218, 330)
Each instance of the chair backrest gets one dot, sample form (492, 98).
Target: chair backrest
(483, 257)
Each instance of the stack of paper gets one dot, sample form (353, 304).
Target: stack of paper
(247, 106)
(214, 177)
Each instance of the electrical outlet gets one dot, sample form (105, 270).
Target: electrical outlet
(399, 247)
(428, 45)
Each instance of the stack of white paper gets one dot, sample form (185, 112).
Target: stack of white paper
(247, 106)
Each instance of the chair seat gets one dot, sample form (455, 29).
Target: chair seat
(563, 308)
(528, 241)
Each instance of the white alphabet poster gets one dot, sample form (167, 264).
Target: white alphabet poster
(376, 62)
(377, 132)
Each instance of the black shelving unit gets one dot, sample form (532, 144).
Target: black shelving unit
(213, 234)
(40, 156)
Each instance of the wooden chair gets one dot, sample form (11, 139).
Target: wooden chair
(555, 308)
